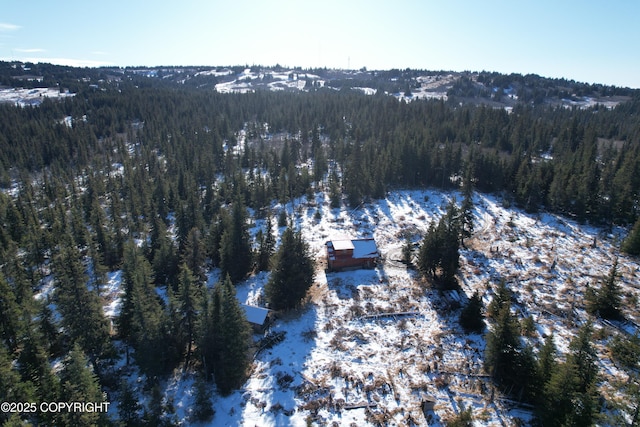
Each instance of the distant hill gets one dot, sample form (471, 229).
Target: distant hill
(488, 88)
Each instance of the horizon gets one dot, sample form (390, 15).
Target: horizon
(586, 42)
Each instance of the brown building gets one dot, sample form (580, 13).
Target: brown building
(351, 254)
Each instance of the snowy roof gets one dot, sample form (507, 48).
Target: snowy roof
(365, 248)
(255, 315)
(342, 245)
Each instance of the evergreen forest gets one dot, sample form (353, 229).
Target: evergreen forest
(158, 180)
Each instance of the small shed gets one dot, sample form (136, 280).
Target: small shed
(258, 317)
(428, 406)
(352, 254)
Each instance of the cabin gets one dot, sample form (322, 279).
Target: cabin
(258, 317)
(345, 254)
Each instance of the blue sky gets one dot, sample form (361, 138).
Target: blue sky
(588, 41)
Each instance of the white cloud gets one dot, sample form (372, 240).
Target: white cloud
(71, 62)
(34, 50)
(4, 26)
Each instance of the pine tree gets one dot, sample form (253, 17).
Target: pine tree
(428, 258)
(12, 388)
(606, 301)
(291, 273)
(501, 299)
(570, 396)
(164, 258)
(209, 340)
(584, 355)
(35, 367)
(407, 251)
(501, 351)
(631, 243)
(81, 311)
(12, 324)
(193, 254)
(128, 406)
(440, 248)
(153, 415)
(466, 209)
(335, 192)
(471, 318)
(547, 363)
(80, 384)
(235, 245)
(143, 322)
(189, 306)
(234, 333)
(267, 245)
(202, 408)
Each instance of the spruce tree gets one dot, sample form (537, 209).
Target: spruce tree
(12, 388)
(189, 305)
(82, 315)
(501, 299)
(291, 273)
(570, 396)
(233, 333)
(209, 340)
(80, 384)
(428, 257)
(12, 324)
(407, 251)
(547, 363)
(440, 248)
(35, 367)
(267, 245)
(235, 245)
(143, 322)
(471, 318)
(193, 254)
(128, 406)
(606, 301)
(503, 346)
(202, 408)
(631, 243)
(466, 209)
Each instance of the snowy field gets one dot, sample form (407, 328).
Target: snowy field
(23, 97)
(371, 345)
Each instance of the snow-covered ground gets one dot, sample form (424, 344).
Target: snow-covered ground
(371, 345)
(248, 81)
(24, 97)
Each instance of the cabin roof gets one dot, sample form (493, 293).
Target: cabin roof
(342, 245)
(362, 248)
(365, 248)
(255, 315)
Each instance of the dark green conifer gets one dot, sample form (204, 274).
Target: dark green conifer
(80, 384)
(189, 306)
(471, 318)
(292, 272)
(631, 243)
(606, 301)
(235, 245)
(267, 244)
(81, 310)
(143, 323)
(233, 333)
(128, 406)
